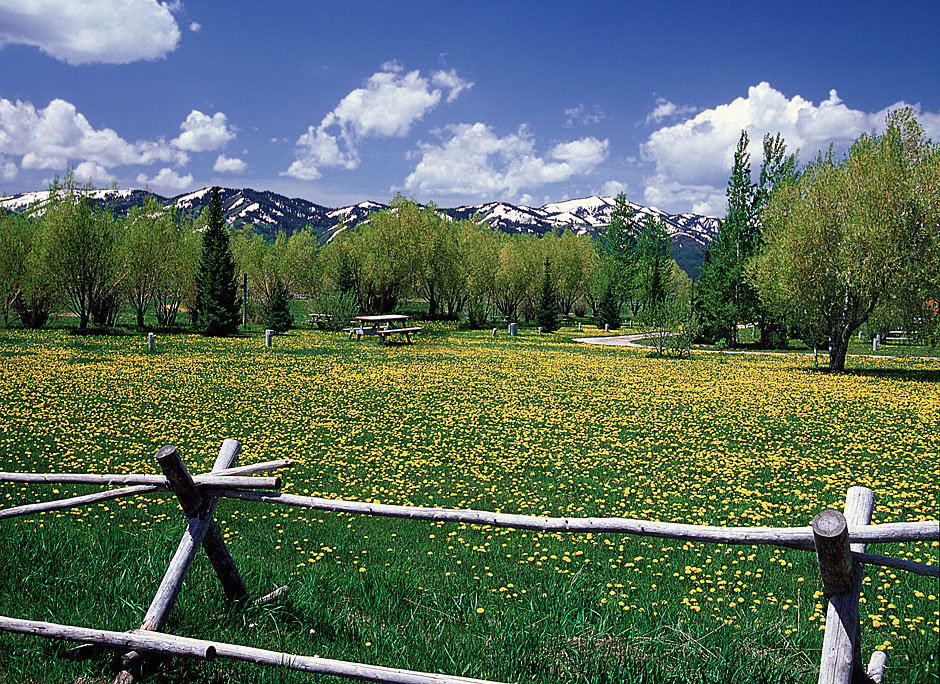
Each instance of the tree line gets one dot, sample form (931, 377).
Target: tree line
(72, 253)
(816, 251)
(823, 250)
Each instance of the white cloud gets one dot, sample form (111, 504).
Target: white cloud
(195, 27)
(202, 133)
(582, 115)
(229, 165)
(665, 109)
(612, 188)
(109, 31)
(451, 81)
(167, 179)
(50, 138)
(473, 160)
(387, 105)
(89, 172)
(692, 159)
(8, 170)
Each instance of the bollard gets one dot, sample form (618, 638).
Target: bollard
(513, 329)
(579, 326)
(540, 330)
(874, 343)
(151, 341)
(267, 337)
(494, 332)
(606, 327)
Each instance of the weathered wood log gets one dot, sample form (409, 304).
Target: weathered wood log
(74, 501)
(188, 648)
(155, 642)
(876, 666)
(831, 536)
(841, 653)
(897, 563)
(196, 529)
(792, 537)
(208, 480)
(267, 598)
(192, 502)
(169, 588)
(97, 497)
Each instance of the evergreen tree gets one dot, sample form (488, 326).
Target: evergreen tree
(546, 315)
(217, 302)
(653, 274)
(617, 247)
(726, 297)
(608, 311)
(279, 317)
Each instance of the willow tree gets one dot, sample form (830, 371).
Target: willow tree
(846, 238)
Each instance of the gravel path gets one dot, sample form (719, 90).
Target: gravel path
(631, 341)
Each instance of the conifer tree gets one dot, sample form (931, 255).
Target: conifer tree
(217, 302)
(608, 311)
(725, 295)
(546, 315)
(279, 317)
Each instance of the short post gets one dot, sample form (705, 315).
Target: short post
(841, 653)
(513, 328)
(874, 343)
(540, 330)
(831, 534)
(606, 327)
(267, 337)
(494, 332)
(579, 326)
(151, 341)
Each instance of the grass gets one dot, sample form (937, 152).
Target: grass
(536, 425)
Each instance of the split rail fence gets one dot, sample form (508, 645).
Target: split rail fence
(838, 538)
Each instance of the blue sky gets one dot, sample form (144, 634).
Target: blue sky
(455, 103)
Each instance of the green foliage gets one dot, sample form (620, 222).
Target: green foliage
(846, 240)
(278, 316)
(618, 247)
(29, 287)
(81, 240)
(608, 311)
(654, 275)
(725, 296)
(546, 315)
(340, 306)
(217, 302)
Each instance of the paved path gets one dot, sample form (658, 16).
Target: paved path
(631, 341)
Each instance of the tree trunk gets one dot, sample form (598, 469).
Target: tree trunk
(432, 301)
(838, 347)
(140, 318)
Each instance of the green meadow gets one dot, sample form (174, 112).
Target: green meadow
(536, 425)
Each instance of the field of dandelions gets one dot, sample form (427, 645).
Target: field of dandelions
(537, 425)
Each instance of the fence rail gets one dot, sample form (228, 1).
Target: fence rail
(838, 540)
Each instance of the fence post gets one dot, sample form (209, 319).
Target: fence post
(841, 653)
(831, 535)
(267, 337)
(151, 341)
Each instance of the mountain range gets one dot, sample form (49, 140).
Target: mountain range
(267, 212)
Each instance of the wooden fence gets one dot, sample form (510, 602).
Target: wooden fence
(838, 538)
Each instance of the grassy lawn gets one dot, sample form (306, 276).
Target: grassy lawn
(536, 425)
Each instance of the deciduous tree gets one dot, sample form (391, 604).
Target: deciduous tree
(848, 237)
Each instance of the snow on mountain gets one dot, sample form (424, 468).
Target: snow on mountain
(268, 212)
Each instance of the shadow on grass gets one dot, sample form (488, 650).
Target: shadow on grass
(920, 375)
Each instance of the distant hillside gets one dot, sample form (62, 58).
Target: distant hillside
(267, 212)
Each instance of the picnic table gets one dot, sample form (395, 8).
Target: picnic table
(383, 326)
(319, 319)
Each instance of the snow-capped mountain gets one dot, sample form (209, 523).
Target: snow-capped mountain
(268, 212)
